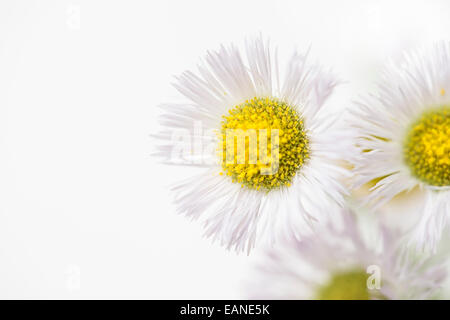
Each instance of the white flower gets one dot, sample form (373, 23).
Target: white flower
(240, 203)
(357, 260)
(404, 137)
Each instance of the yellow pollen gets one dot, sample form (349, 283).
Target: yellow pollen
(427, 147)
(350, 285)
(263, 144)
(442, 92)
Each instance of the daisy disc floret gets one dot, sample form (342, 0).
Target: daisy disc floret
(276, 145)
(427, 147)
(345, 285)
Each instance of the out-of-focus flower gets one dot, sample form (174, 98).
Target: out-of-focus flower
(404, 138)
(355, 260)
(282, 172)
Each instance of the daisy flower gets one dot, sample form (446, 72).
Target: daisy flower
(404, 137)
(267, 144)
(357, 260)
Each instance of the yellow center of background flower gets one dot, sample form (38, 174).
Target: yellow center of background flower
(427, 147)
(350, 285)
(276, 145)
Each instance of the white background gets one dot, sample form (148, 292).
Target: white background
(84, 209)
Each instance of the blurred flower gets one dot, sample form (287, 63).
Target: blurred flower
(267, 190)
(404, 138)
(357, 260)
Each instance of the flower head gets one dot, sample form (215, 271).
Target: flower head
(357, 260)
(404, 138)
(269, 147)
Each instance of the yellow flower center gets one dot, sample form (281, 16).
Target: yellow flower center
(351, 285)
(427, 147)
(263, 144)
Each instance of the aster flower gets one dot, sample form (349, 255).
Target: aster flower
(404, 137)
(355, 260)
(287, 167)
